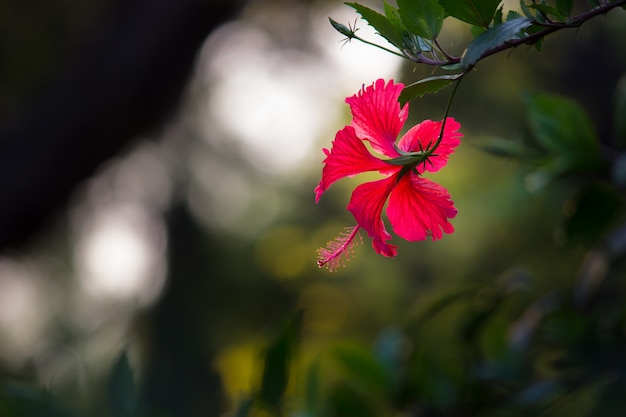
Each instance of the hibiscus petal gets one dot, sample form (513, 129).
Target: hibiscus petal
(348, 156)
(366, 205)
(424, 135)
(377, 116)
(419, 208)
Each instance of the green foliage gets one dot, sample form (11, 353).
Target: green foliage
(426, 86)
(422, 17)
(122, 399)
(564, 7)
(549, 12)
(591, 212)
(19, 400)
(362, 366)
(475, 12)
(493, 38)
(385, 27)
(564, 130)
(277, 362)
(504, 147)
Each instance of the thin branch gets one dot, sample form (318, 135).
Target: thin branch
(534, 37)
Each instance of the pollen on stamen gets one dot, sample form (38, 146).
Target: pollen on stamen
(340, 250)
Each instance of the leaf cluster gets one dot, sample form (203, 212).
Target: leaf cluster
(413, 28)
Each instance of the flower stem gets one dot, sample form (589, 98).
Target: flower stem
(391, 51)
(433, 148)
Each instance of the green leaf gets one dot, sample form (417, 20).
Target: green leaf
(512, 14)
(393, 15)
(451, 67)
(383, 25)
(25, 401)
(492, 38)
(531, 30)
(422, 17)
(619, 114)
(427, 85)
(549, 170)
(565, 7)
(362, 366)
(121, 389)
(561, 126)
(550, 11)
(497, 18)
(527, 11)
(476, 31)
(277, 360)
(312, 390)
(503, 147)
(344, 400)
(539, 392)
(244, 407)
(441, 302)
(591, 212)
(475, 12)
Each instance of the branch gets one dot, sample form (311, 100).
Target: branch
(550, 28)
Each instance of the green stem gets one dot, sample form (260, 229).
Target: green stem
(433, 148)
(378, 46)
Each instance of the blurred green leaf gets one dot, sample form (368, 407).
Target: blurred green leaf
(436, 379)
(498, 16)
(383, 25)
(312, 395)
(362, 366)
(591, 211)
(504, 147)
(345, 401)
(492, 38)
(619, 114)
(502, 362)
(422, 17)
(427, 85)
(443, 301)
(390, 351)
(475, 12)
(451, 67)
(565, 327)
(25, 401)
(550, 11)
(537, 43)
(565, 7)
(277, 361)
(244, 407)
(538, 393)
(548, 170)
(526, 11)
(561, 126)
(121, 389)
(474, 320)
(611, 400)
(477, 30)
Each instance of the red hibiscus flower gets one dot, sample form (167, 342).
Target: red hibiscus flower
(417, 207)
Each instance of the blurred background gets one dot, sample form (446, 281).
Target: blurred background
(157, 166)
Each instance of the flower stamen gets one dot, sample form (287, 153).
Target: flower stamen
(339, 250)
